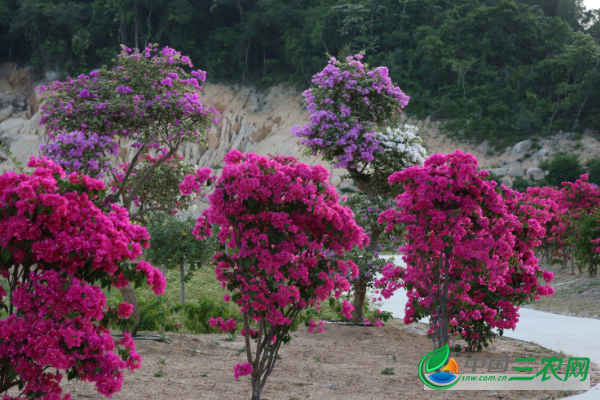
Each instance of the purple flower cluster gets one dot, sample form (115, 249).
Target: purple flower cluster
(160, 106)
(346, 106)
(76, 151)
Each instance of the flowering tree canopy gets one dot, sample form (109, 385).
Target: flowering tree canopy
(56, 244)
(469, 258)
(349, 102)
(147, 99)
(279, 218)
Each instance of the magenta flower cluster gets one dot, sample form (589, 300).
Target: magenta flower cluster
(572, 201)
(58, 243)
(194, 183)
(220, 323)
(242, 369)
(349, 102)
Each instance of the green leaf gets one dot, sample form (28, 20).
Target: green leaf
(41, 209)
(124, 354)
(12, 373)
(236, 297)
(246, 262)
(437, 358)
(6, 253)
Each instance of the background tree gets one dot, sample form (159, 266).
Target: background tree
(146, 100)
(586, 242)
(488, 69)
(172, 245)
(280, 219)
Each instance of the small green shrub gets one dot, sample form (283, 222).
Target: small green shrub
(197, 315)
(155, 314)
(563, 168)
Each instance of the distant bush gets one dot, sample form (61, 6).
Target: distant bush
(197, 315)
(155, 315)
(563, 168)
(594, 170)
(521, 184)
(584, 250)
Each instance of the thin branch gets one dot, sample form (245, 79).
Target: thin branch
(127, 173)
(247, 337)
(144, 177)
(147, 210)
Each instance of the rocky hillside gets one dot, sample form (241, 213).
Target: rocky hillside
(261, 122)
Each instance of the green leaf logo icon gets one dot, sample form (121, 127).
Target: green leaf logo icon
(437, 358)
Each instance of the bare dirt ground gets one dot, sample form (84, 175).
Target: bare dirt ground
(575, 295)
(344, 362)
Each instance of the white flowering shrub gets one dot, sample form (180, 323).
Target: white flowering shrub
(399, 148)
(405, 143)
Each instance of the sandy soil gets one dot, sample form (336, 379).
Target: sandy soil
(342, 363)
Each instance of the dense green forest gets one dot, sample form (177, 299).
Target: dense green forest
(497, 69)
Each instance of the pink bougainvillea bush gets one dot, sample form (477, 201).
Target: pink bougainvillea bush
(279, 220)
(469, 258)
(55, 245)
(574, 205)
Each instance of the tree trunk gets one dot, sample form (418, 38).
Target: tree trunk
(360, 291)
(129, 296)
(182, 282)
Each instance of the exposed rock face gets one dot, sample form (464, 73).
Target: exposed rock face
(9, 129)
(521, 148)
(498, 171)
(6, 112)
(506, 181)
(516, 172)
(261, 122)
(535, 174)
(23, 138)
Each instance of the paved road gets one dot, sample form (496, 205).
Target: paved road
(572, 335)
